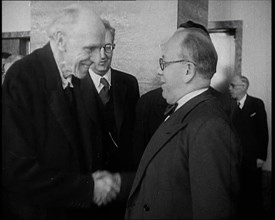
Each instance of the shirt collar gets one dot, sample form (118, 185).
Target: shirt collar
(189, 96)
(65, 81)
(242, 100)
(96, 78)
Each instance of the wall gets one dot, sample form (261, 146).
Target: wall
(256, 47)
(140, 28)
(16, 16)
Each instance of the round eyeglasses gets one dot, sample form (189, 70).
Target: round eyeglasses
(163, 64)
(108, 48)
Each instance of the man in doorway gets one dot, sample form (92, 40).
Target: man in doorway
(250, 121)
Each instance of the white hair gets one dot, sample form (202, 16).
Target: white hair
(65, 22)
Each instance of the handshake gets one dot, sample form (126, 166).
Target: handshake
(106, 187)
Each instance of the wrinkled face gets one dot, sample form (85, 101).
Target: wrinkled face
(237, 88)
(102, 65)
(172, 76)
(82, 47)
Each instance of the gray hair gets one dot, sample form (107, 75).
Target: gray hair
(65, 22)
(202, 52)
(244, 80)
(108, 27)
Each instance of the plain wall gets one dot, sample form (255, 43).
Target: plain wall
(16, 16)
(256, 47)
(157, 20)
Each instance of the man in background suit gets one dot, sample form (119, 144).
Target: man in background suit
(47, 142)
(151, 108)
(250, 121)
(114, 114)
(190, 167)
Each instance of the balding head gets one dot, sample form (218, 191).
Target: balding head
(198, 47)
(72, 18)
(188, 63)
(76, 37)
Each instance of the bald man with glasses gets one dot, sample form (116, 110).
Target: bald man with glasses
(190, 167)
(152, 108)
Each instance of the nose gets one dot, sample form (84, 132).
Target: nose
(102, 53)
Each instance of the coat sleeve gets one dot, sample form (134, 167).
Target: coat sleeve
(262, 131)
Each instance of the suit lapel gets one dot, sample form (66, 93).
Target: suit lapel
(119, 94)
(90, 97)
(247, 104)
(85, 125)
(55, 94)
(164, 133)
(60, 111)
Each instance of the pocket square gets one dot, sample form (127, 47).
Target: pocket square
(253, 114)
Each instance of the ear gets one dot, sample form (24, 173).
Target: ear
(190, 73)
(61, 41)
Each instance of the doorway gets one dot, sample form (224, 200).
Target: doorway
(227, 39)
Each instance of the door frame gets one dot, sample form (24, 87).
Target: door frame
(236, 28)
(24, 40)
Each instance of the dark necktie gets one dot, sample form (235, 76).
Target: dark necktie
(170, 109)
(239, 106)
(104, 92)
(69, 94)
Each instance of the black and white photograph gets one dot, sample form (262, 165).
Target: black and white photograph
(136, 110)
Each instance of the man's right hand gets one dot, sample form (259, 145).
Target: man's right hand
(106, 187)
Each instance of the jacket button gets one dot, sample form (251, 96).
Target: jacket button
(146, 207)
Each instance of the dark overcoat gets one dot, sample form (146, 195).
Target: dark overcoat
(190, 167)
(46, 151)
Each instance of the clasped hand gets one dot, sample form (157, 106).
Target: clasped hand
(106, 187)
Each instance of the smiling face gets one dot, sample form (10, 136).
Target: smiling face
(101, 65)
(81, 45)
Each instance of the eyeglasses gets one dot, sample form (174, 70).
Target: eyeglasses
(163, 64)
(108, 48)
(235, 85)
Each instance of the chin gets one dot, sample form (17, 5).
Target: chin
(164, 95)
(81, 74)
(102, 69)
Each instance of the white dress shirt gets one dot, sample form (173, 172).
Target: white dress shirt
(242, 101)
(96, 79)
(187, 97)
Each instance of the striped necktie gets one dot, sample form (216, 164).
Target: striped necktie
(105, 91)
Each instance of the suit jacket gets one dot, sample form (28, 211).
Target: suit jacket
(150, 114)
(125, 92)
(45, 150)
(251, 125)
(190, 167)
